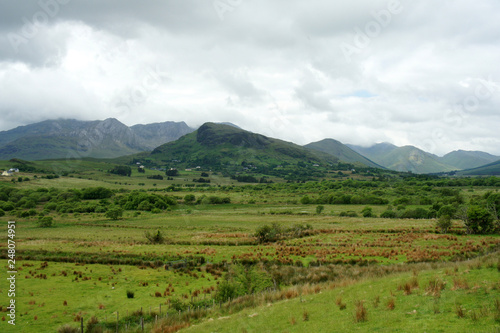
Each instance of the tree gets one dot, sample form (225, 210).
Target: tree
(172, 172)
(189, 199)
(121, 170)
(319, 209)
(367, 212)
(156, 238)
(477, 220)
(305, 200)
(114, 213)
(45, 221)
(444, 223)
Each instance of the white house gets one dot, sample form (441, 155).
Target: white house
(6, 173)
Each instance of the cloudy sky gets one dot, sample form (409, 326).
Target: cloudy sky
(424, 73)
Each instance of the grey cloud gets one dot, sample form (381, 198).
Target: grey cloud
(279, 62)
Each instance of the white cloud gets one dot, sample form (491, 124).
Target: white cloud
(429, 77)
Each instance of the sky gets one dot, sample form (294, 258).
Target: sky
(422, 73)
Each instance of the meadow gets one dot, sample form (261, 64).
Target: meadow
(134, 253)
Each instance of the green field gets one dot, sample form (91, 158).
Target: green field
(326, 248)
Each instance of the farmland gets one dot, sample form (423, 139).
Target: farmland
(179, 253)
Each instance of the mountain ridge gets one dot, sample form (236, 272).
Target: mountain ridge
(63, 138)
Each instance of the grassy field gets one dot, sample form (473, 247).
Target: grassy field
(87, 265)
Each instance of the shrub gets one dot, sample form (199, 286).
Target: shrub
(114, 213)
(189, 199)
(130, 294)
(361, 314)
(478, 220)
(121, 170)
(391, 303)
(92, 193)
(389, 214)
(45, 221)
(268, 233)
(367, 212)
(2, 213)
(349, 213)
(156, 238)
(444, 223)
(91, 325)
(319, 209)
(305, 200)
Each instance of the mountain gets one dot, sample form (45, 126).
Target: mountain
(462, 159)
(492, 169)
(218, 145)
(373, 151)
(406, 158)
(69, 138)
(156, 134)
(342, 152)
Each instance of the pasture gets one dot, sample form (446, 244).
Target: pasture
(181, 255)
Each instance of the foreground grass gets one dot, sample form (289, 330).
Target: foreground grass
(469, 301)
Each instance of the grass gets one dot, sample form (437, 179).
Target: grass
(353, 271)
(460, 310)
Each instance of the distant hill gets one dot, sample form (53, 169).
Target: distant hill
(342, 152)
(67, 138)
(492, 169)
(406, 158)
(219, 145)
(462, 159)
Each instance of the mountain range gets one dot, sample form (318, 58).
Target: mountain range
(410, 158)
(221, 143)
(69, 138)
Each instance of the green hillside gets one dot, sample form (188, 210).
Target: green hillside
(462, 159)
(404, 159)
(218, 146)
(342, 152)
(492, 169)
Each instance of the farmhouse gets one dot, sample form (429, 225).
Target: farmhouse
(7, 173)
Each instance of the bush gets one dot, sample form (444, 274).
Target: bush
(367, 212)
(121, 170)
(319, 209)
(444, 223)
(388, 214)
(130, 294)
(225, 291)
(45, 221)
(156, 238)
(114, 213)
(2, 213)
(349, 213)
(305, 200)
(189, 199)
(8, 207)
(478, 220)
(93, 193)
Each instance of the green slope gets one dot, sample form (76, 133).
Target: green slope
(218, 145)
(342, 152)
(462, 159)
(465, 301)
(406, 158)
(492, 169)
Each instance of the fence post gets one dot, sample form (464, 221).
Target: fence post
(160, 310)
(81, 324)
(142, 324)
(117, 320)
